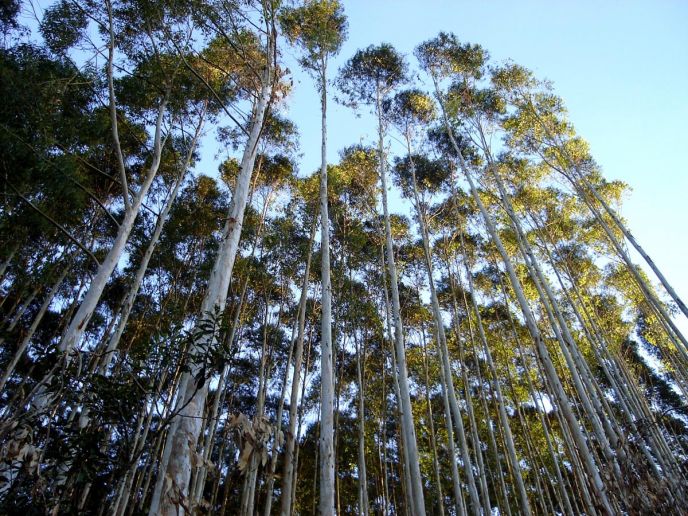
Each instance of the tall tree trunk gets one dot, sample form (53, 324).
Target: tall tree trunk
(291, 436)
(407, 424)
(128, 304)
(406, 474)
(326, 441)
(444, 352)
(431, 425)
(503, 417)
(80, 321)
(563, 401)
(172, 485)
(362, 474)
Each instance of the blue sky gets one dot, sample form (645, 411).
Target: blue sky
(620, 66)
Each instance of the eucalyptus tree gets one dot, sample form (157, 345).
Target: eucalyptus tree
(603, 421)
(480, 109)
(45, 168)
(185, 426)
(540, 125)
(368, 78)
(319, 28)
(144, 42)
(352, 194)
(200, 317)
(309, 217)
(446, 57)
(410, 110)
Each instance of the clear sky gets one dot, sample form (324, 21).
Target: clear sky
(620, 66)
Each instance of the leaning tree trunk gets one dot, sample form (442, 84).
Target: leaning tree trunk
(128, 304)
(172, 485)
(579, 180)
(79, 322)
(26, 340)
(503, 417)
(564, 404)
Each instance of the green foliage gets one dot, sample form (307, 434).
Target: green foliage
(318, 27)
(445, 55)
(63, 25)
(430, 175)
(410, 108)
(371, 73)
(108, 411)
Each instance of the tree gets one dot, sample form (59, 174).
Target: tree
(319, 28)
(368, 77)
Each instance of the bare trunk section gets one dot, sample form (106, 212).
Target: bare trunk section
(362, 475)
(291, 434)
(407, 424)
(503, 417)
(326, 440)
(395, 377)
(77, 327)
(128, 304)
(444, 353)
(172, 485)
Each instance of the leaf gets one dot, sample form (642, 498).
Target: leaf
(245, 456)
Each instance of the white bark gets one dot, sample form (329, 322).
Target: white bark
(34, 326)
(291, 434)
(564, 403)
(128, 304)
(79, 322)
(326, 506)
(444, 352)
(363, 506)
(407, 424)
(408, 490)
(172, 485)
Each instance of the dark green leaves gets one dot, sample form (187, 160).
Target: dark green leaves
(371, 73)
(63, 25)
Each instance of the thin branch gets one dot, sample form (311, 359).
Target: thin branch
(113, 112)
(55, 223)
(95, 198)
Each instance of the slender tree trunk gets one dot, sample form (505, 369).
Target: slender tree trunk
(362, 474)
(564, 403)
(503, 417)
(395, 382)
(444, 353)
(34, 325)
(128, 304)
(291, 436)
(431, 424)
(80, 321)
(326, 441)
(407, 424)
